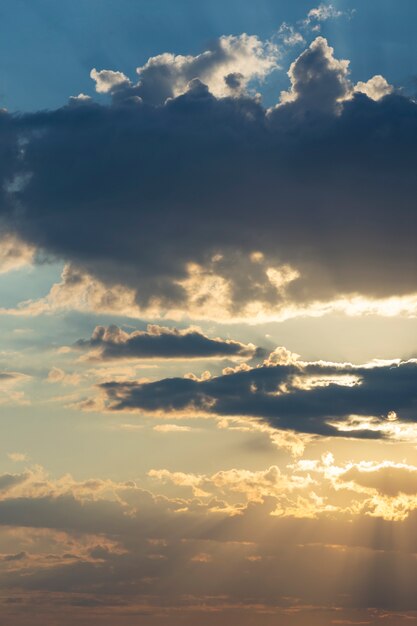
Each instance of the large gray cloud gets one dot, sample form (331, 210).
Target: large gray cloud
(305, 397)
(136, 194)
(161, 342)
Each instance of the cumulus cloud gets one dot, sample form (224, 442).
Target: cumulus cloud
(319, 82)
(112, 342)
(108, 80)
(378, 489)
(318, 398)
(255, 486)
(375, 88)
(214, 205)
(227, 68)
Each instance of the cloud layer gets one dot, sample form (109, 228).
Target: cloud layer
(263, 542)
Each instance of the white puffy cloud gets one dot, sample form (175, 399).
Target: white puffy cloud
(107, 80)
(375, 88)
(319, 81)
(227, 68)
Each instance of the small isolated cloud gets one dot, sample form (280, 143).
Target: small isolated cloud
(172, 428)
(289, 35)
(159, 342)
(324, 12)
(17, 457)
(79, 99)
(58, 375)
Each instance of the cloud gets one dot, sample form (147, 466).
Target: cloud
(159, 342)
(8, 382)
(58, 375)
(17, 457)
(318, 398)
(218, 207)
(288, 34)
(375, 88)
(319, 82)
(86, 544)
(227, 68)
(9, 481)
(323, 12)
(378, 489)
(107, 80)
(14, 254)
(87, 294)
(254, 486)
(389, 479)
(172, 428)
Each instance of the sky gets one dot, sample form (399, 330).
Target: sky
(208, 312)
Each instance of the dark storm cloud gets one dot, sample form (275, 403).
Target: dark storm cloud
(134, 193)
(301, 397)
(159, 342)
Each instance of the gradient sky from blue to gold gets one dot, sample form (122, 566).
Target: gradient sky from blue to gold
(208, 312)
